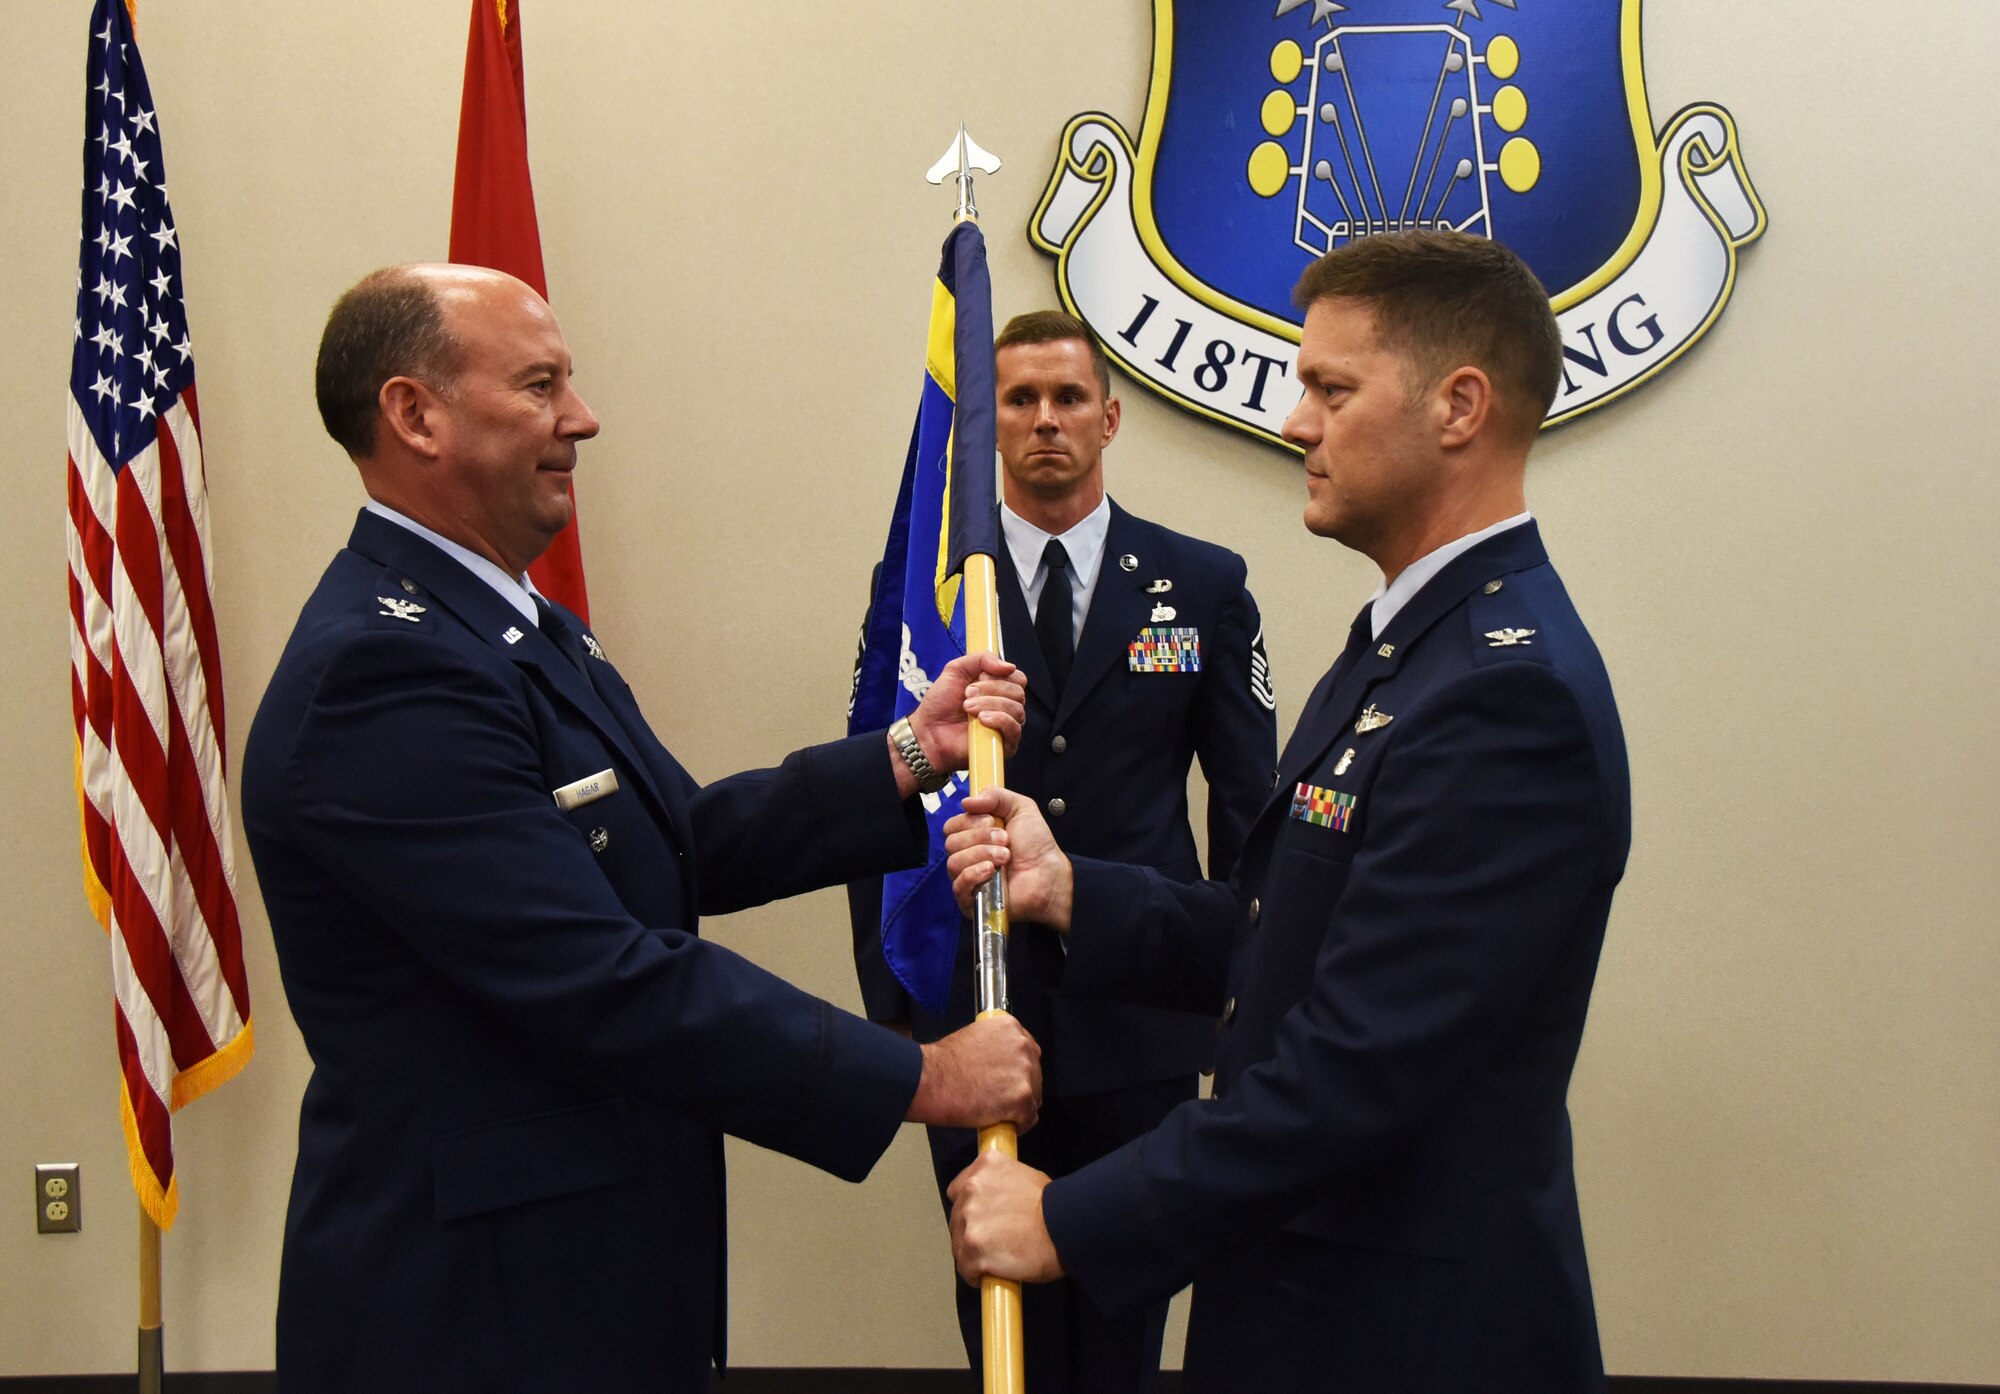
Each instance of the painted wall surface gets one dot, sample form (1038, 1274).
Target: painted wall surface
(1788, 1106)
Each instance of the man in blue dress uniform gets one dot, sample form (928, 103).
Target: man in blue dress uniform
(1144, 653)
(484, 877)
(1380, 1195)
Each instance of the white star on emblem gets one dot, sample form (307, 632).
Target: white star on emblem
(105, 38)
(144, 406)
(108, 340)
(164, 233)
(184, 348)
(144, 357)
(139, 168)
(142, 121)
(103, 289)
(103, 387)
(121, 246)
(123, 145)
(162, 283)
(122, 196)
(118, 296)
(160, 330)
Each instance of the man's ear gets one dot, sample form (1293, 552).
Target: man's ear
(410, 413)
(1464, 399)
(1110, 419)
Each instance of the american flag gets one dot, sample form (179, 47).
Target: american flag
(145, 671)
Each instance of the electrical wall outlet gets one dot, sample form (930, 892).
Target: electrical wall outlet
(58, 1198)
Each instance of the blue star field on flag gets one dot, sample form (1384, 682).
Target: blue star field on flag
(132, 355)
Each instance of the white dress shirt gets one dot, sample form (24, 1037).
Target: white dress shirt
(1085, 544)
(1388, 599)
(517, 591)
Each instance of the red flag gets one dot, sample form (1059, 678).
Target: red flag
(493, 216)
(145, 670)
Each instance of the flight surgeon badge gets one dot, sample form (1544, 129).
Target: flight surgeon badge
(1278, 130)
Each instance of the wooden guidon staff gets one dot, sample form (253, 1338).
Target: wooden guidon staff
(999, 1298)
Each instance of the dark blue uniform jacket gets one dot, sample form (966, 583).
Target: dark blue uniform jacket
(1108, 761)
(1402, 962)
(509, 1169)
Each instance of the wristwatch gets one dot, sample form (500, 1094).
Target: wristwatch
(904, 737)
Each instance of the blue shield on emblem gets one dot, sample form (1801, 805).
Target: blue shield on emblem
(1514, 123)
(1276, 131)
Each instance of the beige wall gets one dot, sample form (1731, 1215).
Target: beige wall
(1788, 1105)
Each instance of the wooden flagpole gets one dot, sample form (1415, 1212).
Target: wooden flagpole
(999, 1298)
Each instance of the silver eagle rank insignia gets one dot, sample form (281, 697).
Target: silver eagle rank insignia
(400, 609)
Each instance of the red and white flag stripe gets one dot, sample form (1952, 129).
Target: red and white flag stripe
(158, 852)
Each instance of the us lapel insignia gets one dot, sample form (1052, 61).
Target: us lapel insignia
(1163, 613)
(400, 609)
(1508, 638)
(1345, 761)
(1323, 808)
(512, 636)
(1159, 587)
(596, 649)
(1128, 562)
(1371, 720)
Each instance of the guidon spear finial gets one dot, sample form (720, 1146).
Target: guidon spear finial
(960, 158)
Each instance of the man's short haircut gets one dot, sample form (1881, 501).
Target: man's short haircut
(391, 324)
(1445, 300)
(1055, 327)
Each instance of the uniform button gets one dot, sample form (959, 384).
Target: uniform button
(1256, 909)
(409, 585)
(1493, 587)
(1229, 1011)
(1056, 808)
(1058, 745)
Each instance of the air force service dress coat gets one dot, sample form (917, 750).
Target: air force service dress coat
(1108, 762)
(1380, 1196)
(509, 1169)
(1169, 668)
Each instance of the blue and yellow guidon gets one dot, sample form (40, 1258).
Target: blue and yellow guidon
(1278, 130)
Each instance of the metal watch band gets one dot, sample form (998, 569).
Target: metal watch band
(904, 737)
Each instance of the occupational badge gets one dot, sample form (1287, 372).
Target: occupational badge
(1371, 720)
(1274, 133)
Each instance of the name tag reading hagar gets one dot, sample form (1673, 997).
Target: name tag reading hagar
(587, 790)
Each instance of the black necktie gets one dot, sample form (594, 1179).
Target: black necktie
(561, 635)
(1360, 638)
(1054, 624)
